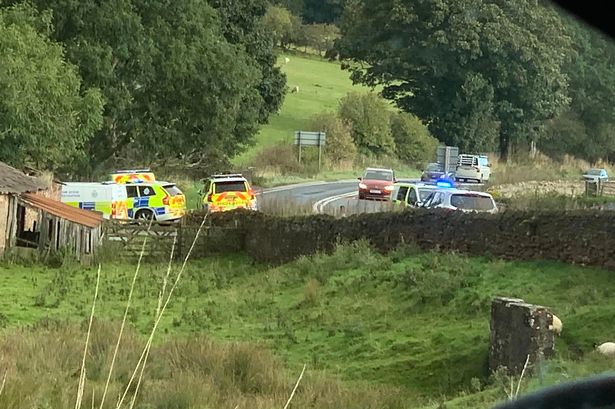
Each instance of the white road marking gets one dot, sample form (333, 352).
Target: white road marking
(319, 205)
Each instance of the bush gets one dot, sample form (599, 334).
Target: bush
(339, 147)
(281, 157)
(369, 116)
(415, 144)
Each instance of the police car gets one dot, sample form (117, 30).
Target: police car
(226, 192)
(414, 194)
(462, 200)
(150, 199)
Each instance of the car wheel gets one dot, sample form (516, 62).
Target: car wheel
(145, 215)
(361, 197)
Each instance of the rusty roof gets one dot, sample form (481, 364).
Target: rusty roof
(85, 218)
(14, 181)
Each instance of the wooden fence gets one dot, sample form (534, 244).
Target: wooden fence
(599, 188)
(126, 240)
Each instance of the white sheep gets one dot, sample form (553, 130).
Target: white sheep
(606, 349)
(295, 89)
(286, 60)
(556, 326)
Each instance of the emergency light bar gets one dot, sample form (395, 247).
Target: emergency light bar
(133, 176)
(145, 170)
(445, 183)
(228, 175)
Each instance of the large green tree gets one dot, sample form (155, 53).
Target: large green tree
(177, 80)
(242, 24)
(475, 70)
(586, 130)
(46, 116)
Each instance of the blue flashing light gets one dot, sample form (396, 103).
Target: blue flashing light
(445, 183)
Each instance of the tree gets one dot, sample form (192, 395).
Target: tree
(46, 116)
(315, 11)
(242, 25)
(175, 87)
(482, 67)
(323, 11)
(282, 25)
(414, 143)
(592, 90)
(339, 146)
(204, 88)
(369, 117)
(320, 37)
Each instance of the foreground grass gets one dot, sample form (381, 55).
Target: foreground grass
(417, 322)
(42, 367)
(321, 85)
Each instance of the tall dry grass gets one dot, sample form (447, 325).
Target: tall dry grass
(43, 364)
(523, 169)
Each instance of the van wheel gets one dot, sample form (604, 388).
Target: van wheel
(145, 215)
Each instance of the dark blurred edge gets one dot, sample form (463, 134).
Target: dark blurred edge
(595, 13)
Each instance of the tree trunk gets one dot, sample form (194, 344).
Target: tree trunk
(504, 147)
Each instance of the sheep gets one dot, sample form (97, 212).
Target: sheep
(286, 60)
(557, 326)
(295, 89)
(607, 349)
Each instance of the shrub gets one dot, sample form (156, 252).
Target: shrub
(339, 147)
(415, 144)
(369, 116)
(281, 157)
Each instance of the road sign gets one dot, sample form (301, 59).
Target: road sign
(303, 138)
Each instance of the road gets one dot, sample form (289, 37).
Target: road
(337, 198)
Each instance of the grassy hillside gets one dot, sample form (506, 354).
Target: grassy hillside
(413, 321)
(321, 85)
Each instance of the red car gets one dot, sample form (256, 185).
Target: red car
(376, 184)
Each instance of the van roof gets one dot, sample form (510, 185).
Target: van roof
(107, 183)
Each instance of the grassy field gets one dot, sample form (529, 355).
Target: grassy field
(321, 85)
(413, 322)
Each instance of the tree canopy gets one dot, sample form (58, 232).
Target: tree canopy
(46, 115)
(480, 72)
(181, 79)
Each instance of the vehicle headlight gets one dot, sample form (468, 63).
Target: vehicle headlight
(389, 188)
(362, 186)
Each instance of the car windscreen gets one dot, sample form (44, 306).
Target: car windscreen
(433, 167)
(235, 186)
(471, 202)
(378, 175)
(594, 172)
(424, 193)
(172, 190)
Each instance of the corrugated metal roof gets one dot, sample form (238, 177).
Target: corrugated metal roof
(83, 217)
(14, 181)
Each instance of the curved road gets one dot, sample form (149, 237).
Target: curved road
(337, 198)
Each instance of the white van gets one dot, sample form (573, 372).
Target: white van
(474, 167)
(109, 199)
